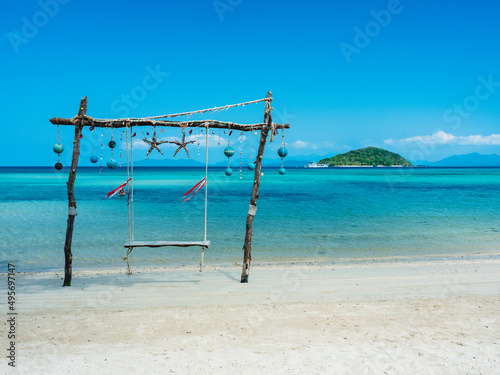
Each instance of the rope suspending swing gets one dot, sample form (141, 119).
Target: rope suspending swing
(131, 244)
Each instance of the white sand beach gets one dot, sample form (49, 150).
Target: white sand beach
(439, 317)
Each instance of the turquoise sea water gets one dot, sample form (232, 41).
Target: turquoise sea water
(323, 215)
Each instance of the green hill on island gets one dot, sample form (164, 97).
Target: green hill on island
(367, 156)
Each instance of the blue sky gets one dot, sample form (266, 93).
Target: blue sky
(419, 77)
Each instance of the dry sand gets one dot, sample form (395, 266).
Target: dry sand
(439, 317)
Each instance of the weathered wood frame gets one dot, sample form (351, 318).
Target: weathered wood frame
(81, 120)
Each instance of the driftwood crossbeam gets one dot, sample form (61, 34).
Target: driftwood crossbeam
(82, 120)
(213, 124)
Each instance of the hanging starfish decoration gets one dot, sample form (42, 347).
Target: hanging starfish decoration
(182, 144)
(154, 143)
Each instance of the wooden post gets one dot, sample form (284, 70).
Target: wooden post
(247, 247)
(68, 256)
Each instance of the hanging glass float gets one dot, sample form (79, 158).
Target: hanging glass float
(228, 151)
(58, 148)
(93, 157)
(251, 166)
(112, 164)
(282, 152)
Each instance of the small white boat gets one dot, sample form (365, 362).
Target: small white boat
(313, 164)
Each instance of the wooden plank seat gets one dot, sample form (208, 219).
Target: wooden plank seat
(167, 243)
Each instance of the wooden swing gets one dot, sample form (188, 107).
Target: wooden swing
(131, 244)
(81, 120)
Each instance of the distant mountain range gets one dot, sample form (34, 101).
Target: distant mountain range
(468, 160)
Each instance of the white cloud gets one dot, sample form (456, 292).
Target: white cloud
(299, 144)
(389, 141)
(489, 140)
(439, 137)
(443, 138)
(138, 144)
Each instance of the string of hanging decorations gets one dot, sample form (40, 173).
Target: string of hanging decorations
(160, 121)
(154, 143)
(58, 149)
(282, 153)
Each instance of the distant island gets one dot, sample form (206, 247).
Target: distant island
(369, 156)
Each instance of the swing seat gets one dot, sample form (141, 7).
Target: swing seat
(204, 244)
